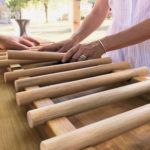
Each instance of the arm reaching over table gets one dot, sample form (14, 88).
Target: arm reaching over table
(17, 43)
(131, 36)
(90, 24)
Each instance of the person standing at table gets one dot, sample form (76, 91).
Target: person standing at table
(127, 39)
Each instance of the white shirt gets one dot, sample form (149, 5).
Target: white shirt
(128, 13)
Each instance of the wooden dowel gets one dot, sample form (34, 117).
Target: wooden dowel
(11, 76)
(63, 89)
(85, 103)
(34, 55)
(100, 131)
(8, 62)
(3, 57)
(2, 53)
(69, 75)
(41, 64)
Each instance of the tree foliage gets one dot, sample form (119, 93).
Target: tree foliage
(16, 5)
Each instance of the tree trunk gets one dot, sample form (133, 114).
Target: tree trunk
(46, 12)
(20, 14)
(76, 15)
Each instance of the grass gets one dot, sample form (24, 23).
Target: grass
(55, 31)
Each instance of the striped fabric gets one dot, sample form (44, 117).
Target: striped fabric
(126, 14)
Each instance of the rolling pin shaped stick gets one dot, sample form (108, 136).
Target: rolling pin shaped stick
(58, 90)
(100, 131)
(2, 53)
(74, 106)
(34, 55)
(11, 76)
(8, 62)
(69, 75)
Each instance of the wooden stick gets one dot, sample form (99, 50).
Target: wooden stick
(8, 62)
(100, 131)
(11, 76)
(2, 53)
(63, 89)
(3, 57)
(41, 64)
(34, 55)
(69, 75)
(71, 107)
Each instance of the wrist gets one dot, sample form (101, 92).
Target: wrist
(99, 46)
(105, 43)
(110, 42)
(96, 46)
(75, 40)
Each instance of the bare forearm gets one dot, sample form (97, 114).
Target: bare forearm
(131, 36)
(92, 21)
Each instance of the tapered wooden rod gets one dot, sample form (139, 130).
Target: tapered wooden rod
(3, 57)
(8, 62)
(2, 53)
(41, 115)
(100, 131)
(69, 75)
(11, 76)
(63, 89)
(34, 55)
(40, 64)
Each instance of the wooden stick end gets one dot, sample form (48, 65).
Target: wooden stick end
(18, 100)
(16, 86)
(43, 146)
(29, 118)
(5, 78)
(7, 55)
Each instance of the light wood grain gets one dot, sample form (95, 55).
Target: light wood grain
(58, 90)
(11, 76)
(99, 131)
(15, 133)
(69, 75)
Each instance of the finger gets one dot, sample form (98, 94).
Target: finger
(26, 43)
(69, 54)
(93, 54)
(77, 55)
(36, 42)
(18, 46)
(51, 47)
(85, 54)
(62, 50)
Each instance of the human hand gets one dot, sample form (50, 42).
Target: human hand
(62, 46)
(17, 43)
(88, 51)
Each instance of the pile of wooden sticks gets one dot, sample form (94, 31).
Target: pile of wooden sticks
(45, 80)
